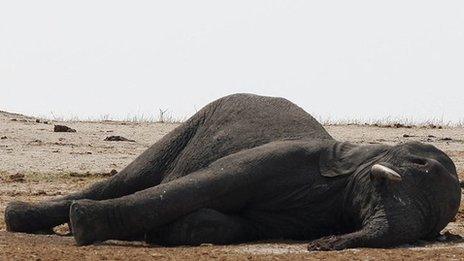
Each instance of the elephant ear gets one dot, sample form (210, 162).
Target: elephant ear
(344, 158)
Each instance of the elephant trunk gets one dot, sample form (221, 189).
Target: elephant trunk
(389, 228)
(385, 216)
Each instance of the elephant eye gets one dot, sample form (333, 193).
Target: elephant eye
(419, 161)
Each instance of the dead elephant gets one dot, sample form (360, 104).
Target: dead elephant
(248, 168)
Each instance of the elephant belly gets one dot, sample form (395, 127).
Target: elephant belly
(299, 205)
(296, 225)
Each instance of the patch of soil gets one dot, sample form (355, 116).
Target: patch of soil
(118, 138)
(53, 247)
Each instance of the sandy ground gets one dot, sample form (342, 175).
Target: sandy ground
(37, 163)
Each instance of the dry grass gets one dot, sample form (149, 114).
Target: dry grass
(393, 122)
(163, 116)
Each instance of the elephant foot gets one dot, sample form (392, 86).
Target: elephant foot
(86, 222)
(28, 218)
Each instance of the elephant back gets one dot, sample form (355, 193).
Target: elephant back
(242, 121)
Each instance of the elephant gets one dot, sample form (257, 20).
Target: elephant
(252, 168)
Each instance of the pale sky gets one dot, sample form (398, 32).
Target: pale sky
(336, 59)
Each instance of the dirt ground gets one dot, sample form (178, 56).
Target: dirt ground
(37, 164)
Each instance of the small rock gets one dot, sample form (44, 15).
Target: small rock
(433, 126)
(400, 125)
(4, 137)
(109, 174)
(35, 142)
(79, 175)
(431, 136)
(37, 120)
(18, 177)
(14, 119)
(447, 138)
(118, 138)
(63, 128)
(407, 136)
(39, 193)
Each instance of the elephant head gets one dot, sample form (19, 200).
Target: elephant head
(394, 194)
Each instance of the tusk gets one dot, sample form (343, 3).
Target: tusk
(379, 171)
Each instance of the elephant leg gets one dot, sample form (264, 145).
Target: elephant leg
(120, 218)
(144, 172)
(227, 185)
(202, 226)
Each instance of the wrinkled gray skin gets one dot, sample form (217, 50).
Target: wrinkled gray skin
(247, 168)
